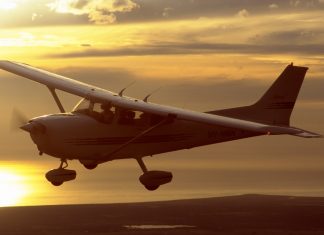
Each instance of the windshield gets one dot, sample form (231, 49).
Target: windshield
(82, 106)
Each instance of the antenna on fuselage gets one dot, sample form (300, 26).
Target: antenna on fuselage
(149, 95)
(122, 91)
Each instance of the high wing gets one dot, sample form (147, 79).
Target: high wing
(96, 94)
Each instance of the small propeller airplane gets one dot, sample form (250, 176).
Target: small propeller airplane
(106, 126)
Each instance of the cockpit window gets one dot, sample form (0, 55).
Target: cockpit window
(106, 113)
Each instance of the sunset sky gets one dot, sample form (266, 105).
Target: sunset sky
(203, 54)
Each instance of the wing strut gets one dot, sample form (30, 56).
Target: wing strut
(168, 119)
(57, 100)
(142, 165)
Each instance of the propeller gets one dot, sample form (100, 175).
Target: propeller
(18, 119)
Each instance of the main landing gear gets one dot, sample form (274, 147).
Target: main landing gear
(58, 176)
(152, 180)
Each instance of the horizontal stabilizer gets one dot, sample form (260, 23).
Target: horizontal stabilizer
(288, 130)
(307, 134)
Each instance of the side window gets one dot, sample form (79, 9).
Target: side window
(97, 108)
(102, 112)
(95, 111)
(107, 113)
(130, 117)
(126, 117)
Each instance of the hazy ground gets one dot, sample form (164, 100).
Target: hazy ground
(249, 214)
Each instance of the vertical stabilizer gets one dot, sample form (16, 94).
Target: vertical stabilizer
(276, 105)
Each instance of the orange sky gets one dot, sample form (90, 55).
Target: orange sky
(204, 54)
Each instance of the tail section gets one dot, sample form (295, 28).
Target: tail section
(276, 105)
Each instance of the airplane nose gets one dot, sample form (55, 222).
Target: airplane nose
(34, 128)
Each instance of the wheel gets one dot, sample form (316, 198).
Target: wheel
(152, 187)
(90, 166)
(57, 183)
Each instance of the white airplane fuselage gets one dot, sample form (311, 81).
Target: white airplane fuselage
(78, 136)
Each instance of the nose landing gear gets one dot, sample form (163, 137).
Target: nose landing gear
(58, 176)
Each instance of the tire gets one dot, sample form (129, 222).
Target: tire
(57, 183)
(152, 187)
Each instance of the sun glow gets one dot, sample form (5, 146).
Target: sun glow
(7, 5)
(12, 189)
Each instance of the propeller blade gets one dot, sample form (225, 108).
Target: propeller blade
(18, 119)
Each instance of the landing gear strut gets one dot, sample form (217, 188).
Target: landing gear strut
(152, 180)
(58, 176)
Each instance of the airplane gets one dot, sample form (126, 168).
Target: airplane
(106, 126)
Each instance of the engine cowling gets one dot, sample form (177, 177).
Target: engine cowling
(59, 176)
(152, 180)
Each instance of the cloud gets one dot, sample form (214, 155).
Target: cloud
(273, 6)
(295, 36)
(243, 13)
(305, 3)
(7, 5)
(196, 48)
(167, 11)
(67, 6)
(71, 12)
(86, 45)
(295, 3)
(98, 11)
(124, 5)
(36, 16)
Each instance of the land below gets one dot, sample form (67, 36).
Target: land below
(246, 214)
